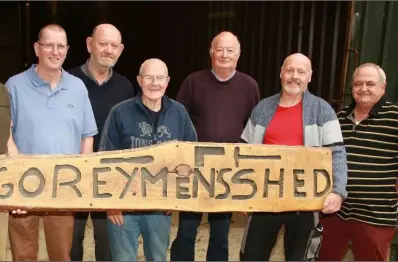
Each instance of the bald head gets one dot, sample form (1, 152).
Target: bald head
(51, 27)
(105, 46)
(102, 29)
(153, 79)
(225, 36)
(156, 63)
(298, 58)
(295, 74)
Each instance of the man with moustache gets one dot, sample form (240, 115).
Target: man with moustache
(51, 114)
(149, 118)
(368, 217)
(219, 101)
(105, 88)
(295, 117)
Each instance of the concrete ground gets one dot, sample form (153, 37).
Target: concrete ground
(235, 238)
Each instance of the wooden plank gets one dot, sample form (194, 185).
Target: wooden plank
(202, 177)
(3, 235)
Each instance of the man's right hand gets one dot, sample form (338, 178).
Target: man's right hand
(19, 212)
(116, 217)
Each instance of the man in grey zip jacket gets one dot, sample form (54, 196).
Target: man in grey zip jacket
(295, 117)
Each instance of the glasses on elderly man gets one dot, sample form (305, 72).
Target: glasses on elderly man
(50, 47)
(150, 78)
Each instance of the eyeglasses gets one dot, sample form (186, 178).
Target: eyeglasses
(159, 79)
(50, 47)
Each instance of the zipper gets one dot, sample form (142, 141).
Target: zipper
(154, 127)
(155, 131)
(150, 120)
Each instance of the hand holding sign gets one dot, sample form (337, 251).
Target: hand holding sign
(332, 203)
(116, 217)
(196, 177)
(19, 212)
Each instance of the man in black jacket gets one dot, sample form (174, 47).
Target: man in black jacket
(106, 88)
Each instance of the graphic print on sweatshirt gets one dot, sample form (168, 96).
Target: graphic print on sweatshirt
(148, 138)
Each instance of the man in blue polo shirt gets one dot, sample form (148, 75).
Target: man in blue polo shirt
(105, 89)
(51, 114)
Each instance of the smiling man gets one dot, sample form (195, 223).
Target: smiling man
(51, 114)
(368, 217)
(105, 88)
(219, 101)
(295, 117)
(148, 119)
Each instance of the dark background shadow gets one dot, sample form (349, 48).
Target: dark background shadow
(180, 34)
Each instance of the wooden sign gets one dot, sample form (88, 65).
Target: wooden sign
(203, 177)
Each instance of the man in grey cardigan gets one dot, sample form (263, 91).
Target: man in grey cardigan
(295, 117)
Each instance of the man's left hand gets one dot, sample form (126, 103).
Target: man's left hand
(332, 203)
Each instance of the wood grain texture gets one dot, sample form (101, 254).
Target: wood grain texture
(199, 177)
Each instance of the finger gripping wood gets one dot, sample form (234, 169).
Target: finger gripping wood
(199, 177)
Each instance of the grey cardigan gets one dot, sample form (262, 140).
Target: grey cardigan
(321, 129)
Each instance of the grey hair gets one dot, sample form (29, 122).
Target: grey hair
(382, 74)
(213, 42)
(152, 60)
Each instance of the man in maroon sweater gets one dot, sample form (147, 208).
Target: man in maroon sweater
(219, 101)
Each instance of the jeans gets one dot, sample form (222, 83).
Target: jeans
(101, 239)
(155, 230)
(183, 247)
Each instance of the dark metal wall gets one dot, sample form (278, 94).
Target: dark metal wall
(11, 49)
(269, 31)
(375, 39)
(180, 33)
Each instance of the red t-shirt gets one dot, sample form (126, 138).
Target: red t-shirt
(286, 127)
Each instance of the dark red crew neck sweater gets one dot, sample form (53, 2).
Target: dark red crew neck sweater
(219, 110)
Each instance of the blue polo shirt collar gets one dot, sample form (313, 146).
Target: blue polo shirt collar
(37, 81)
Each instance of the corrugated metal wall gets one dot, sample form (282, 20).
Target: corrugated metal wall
(180, 33)
(11, 49)
(375, 39)
(269, 31)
